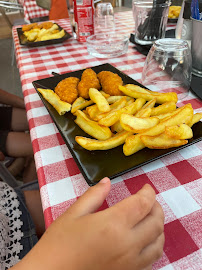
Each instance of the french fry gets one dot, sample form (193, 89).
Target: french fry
(136, 124)
(60, 106)
(136, 88)
(164, 108)
(91, 127)
(105, 94)
(96, 114)
(91, 144)
(121, 103)
(80, 103)
(161, 141)
(117, 127)
(133, 143)
(113, 117)
(195, 119)
(144, 112)
(113, 99)
(181, 132)
(160, 97)
(99, 99)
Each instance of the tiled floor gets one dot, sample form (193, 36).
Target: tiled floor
(9, 75)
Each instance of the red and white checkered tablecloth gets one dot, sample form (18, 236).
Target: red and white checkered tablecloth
(176, 178)
(32, 10)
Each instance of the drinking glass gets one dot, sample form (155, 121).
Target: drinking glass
(150, 20)
(104, 18)
(168, 67)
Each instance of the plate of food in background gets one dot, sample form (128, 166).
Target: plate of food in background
(41, 34)
(112, 124)
(173, 14)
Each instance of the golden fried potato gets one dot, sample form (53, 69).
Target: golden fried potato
(133, 143)
(99, 99)
(91, 127)
(110, 83)
(67, 89)
(53, 35)
(60, 106)
(91, 144)
(160, 97)
(161, 141)
(195, 119)
(181, 132)
(88, 80)
(80, 103)
(136, 124)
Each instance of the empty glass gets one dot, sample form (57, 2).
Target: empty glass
(104, 18)
(168, 67)
(150, 20)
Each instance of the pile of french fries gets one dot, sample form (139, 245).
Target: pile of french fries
(42, 34)
(138, 119)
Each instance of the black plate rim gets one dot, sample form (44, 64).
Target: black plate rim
(90, 182)
(44, 42)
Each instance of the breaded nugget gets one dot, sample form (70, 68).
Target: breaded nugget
(88, 80)
(110, 83)
(46, 25)
(28, 27)
(67, 89)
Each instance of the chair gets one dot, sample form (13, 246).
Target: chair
(6, 176)
(8, 5)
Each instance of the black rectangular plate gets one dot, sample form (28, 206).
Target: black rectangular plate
(94, 165)
(23, 40)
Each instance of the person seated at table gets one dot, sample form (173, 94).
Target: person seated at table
(128, 235)
(21, 220)
(14, 141)
(58, 10)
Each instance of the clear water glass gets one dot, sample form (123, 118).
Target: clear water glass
(107, 45)
(104, 18)
(150, 20)
(168, 67)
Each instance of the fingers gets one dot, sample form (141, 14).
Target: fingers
(154, 251)
(133, 209)
(91, 200)
(149, 229)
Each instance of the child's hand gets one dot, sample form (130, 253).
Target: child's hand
(126, 236)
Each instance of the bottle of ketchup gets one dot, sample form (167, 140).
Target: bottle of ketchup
(81, 14)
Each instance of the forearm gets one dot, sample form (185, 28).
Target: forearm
(12, 100)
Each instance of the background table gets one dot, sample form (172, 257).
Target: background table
(176, 178)
(32, 10)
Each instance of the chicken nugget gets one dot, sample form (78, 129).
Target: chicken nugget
(110, 83)
(88, 80)
(67, 89)
(28, 27)
(47, 25)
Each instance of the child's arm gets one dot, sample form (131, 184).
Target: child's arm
(10, 99)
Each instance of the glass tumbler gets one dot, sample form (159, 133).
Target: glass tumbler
(104, 18)
(150, 20)
(168, 67)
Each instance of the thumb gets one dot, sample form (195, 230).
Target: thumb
(91, 200)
